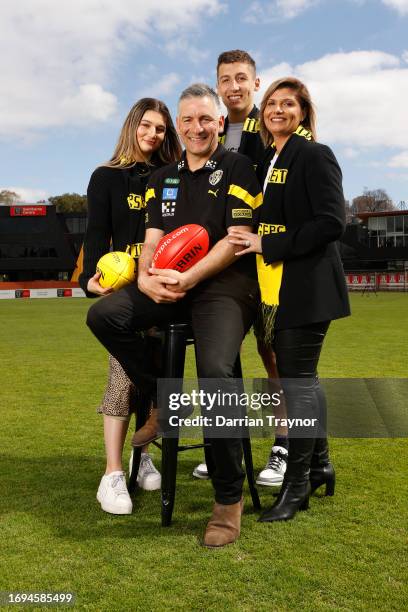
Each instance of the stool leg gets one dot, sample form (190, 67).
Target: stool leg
(249, 468)
(208, 457)
(246, 447)
(169, 472)
(141, 418)
(174, 358)
(132, 484)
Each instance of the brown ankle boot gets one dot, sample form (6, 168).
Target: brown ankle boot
(224, 525)
(149, 431)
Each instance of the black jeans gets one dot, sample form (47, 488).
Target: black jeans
(219, 320)
(297, 355)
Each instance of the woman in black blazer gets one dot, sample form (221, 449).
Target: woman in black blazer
(300, 275)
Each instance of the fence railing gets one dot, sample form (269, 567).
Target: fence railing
(377, 281)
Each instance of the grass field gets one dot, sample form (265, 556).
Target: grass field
(348, 552)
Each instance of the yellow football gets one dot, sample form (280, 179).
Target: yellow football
(117, 269)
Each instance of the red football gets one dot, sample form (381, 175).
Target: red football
(182, 248)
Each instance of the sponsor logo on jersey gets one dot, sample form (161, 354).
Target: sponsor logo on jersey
(214, 193)
(242, 213)
(135, 201)
(169, 193)
(267, 228)
(215, 177)
(278, 175)
(171, 181)
(168, 209)
(211, 163)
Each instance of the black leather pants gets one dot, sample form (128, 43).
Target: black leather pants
(297, 354)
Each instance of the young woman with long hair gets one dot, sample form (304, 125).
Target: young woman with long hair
(116, 208)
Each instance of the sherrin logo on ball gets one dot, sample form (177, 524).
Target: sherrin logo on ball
(182, 248)
(117, 269)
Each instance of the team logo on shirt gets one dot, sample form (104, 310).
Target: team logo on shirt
(168, 209)
(215, 177)
(278, 175)
(135, 201)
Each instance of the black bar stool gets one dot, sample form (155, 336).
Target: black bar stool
(177, 336)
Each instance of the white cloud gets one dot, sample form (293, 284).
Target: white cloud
(27, 194)
(360, 97)
(399, 5)
(162, 86)
(89, 101)
(350, 153)
(270, 11)
(180, 47)
(277, 10)
(57, 59)
(399, 161)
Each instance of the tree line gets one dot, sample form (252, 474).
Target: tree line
(371, 200)
(67, 202)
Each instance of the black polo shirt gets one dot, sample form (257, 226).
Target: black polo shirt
(223, 193)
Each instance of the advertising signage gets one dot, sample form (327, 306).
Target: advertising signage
(28, 211)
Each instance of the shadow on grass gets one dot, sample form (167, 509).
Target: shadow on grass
(60, 492)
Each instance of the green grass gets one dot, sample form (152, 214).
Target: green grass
(345, 553)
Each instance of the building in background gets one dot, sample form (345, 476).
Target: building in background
(37, 243)
(374, 250)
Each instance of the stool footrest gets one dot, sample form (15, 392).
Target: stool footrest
(184, 447)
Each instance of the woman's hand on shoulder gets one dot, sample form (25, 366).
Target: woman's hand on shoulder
(249, 242)
(93, 286)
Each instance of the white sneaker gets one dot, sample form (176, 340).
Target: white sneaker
(201, 472)
(113, 494)
(148, 477)
(275, 469)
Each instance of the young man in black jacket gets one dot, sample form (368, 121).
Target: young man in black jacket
(237, 83)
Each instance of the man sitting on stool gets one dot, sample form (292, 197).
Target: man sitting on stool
(216, 189)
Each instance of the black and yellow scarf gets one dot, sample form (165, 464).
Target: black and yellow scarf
(272, 221)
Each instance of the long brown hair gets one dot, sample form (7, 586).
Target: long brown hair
(303, 96)
(127, 149)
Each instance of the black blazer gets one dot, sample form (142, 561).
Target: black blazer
(313, 287)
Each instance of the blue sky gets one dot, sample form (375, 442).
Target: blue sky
(71, 71)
